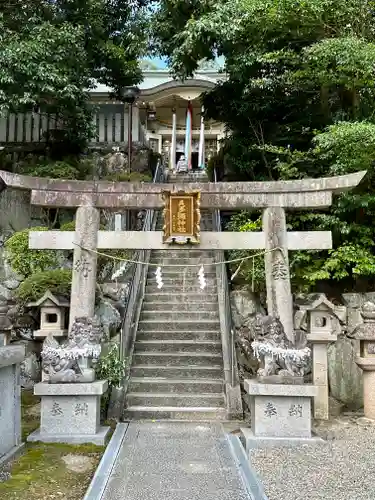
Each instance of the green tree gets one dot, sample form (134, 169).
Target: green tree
(52, 53)
(298, 100)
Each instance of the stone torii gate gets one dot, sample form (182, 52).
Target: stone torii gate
(271, 197)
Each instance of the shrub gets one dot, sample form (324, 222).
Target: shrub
(26, 261)
(58, 281)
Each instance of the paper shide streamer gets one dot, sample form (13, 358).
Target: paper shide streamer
(262, 349)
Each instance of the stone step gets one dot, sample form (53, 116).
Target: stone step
(185, 400)
(179, 274)
(177, 285)
(182, 298)
(204, 347)
(186, 359)
(196, 335)
(178, 385)
(186, 325)
(176, 316)
(180, 306)
(182, 288)
(182, 252)
(199, 414)
(202, 372)
(165, 261)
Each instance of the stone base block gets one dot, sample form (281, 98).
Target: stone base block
(250, 441)
(99, 438)
(280, 411)
(70, 413)
(12, 454)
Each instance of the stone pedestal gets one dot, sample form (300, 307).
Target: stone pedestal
(320, 372)
(70, 413)
(10, 401)
(365, 333)
(280, 414)
(368, 367)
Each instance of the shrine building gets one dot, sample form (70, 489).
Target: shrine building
(166, 115)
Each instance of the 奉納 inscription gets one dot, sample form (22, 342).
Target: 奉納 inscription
(295, 411)
(81, 409)
(56, 410)
(270, 410)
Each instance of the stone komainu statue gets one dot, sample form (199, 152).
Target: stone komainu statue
(71, 362)
(277, 355)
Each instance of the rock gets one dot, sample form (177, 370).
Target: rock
(30, 371)
(116, 162)
(5, 293)
(245, 305)
(78, 463)
(365, 422)
(344, 376)
(109, 317)
(11, 283)
(335, 407)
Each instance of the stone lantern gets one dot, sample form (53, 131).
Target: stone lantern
(52, 315)
(365, 333)
(320, 315)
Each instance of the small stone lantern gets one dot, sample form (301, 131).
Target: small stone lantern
(365, 333)
(320, 316)
(53, 310)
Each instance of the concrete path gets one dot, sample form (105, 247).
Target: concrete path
(176, 461)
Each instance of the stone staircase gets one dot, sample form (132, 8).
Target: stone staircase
(177, 366)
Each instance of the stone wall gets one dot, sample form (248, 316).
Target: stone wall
(344, 376)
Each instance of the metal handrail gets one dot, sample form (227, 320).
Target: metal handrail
(223, 284)
(138, 280)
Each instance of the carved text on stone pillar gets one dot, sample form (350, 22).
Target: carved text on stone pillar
(83, 266)
(279, 270)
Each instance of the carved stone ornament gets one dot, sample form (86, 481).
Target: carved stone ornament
(275, 352)
(182, 217)
(71, 362)
(366, 330)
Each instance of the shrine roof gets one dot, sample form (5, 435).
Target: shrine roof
(154, 79)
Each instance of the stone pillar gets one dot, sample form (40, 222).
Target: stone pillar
(82, 301)
(320, 374)
(172, 161)
(279, 295)
(369, 392)
(10, 401)
(365, 333)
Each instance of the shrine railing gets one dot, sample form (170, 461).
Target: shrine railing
(138, 281)
(228, 333)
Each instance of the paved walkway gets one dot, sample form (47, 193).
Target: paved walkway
(175, 461)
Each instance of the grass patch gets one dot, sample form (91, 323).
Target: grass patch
(41, 473)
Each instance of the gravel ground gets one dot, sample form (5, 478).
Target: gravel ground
(341, 468)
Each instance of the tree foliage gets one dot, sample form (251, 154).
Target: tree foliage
(52, 52)
(298, 102)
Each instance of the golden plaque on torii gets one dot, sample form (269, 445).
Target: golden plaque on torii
(182, 217)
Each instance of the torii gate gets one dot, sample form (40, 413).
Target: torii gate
(271, 197)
